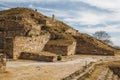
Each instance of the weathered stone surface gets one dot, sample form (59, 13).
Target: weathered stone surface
(3, 61)
(29, 44)
(89, 45)
(61, 49)
(42, 56)
(21, 29)
(116, 70)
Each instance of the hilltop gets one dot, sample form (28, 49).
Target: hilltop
(42, 33)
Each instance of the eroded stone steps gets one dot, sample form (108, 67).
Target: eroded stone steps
(110, 75)
(115, 77)
(101, 73)
(94, 72)
(86, 72)
(106, 74)
(80, 74)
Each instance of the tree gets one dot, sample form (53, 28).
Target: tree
(102, 35)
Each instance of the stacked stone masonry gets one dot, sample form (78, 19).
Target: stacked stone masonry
(61, 49)
(38, 57)
(29, 44)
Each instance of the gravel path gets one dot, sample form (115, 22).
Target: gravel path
(31, 70)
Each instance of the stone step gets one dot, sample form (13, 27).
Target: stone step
(103, 75)
(99, 73)
(109, 75)
(115, 77)
(83, 75)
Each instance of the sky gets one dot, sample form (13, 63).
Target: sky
(87, 16)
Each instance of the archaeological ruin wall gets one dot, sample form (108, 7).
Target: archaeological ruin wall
(29, 44)
(61, 49)
(86, 47)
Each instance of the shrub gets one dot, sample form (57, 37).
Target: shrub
(44, 27)
(32, 15)
(59, 57)
(30, 35)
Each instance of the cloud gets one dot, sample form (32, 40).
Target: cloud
(49, 11)
(114, 39)
(90, 17)
(104, 4)
(83, 15)
(107, 28)
(80, 16)
(17, 1)
(87, 18)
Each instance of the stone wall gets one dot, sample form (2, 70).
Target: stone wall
(116, 70)
(8, 47)
(3, 61)
(61, 49)
(29, 44)
(89, 47)
(71, 49)
(39, 56)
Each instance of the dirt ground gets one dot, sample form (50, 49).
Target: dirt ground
(33, 70)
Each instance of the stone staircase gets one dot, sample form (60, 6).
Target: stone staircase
(106, 74)
(110, 75)
(93, 72)
(103, 75)
(115, 77)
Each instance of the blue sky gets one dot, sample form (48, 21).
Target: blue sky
(87, 16)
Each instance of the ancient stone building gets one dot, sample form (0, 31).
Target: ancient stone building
(10, 30)
(90, 45)
(41, 56)
(61, 49)
(20, 34)
(26, 30)
(28, 44)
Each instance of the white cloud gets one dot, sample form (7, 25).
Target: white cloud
(87, 18)
(93, 18)
(107, 28)
(104, 4)
(97, 17)
(49, 11)
(17, 1)
(57, 13)
(115, 39)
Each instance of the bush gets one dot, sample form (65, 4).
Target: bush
(44, 27)
(59, 57)
(30, 35)
(32, 15)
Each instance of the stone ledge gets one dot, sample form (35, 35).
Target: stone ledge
(42, 56)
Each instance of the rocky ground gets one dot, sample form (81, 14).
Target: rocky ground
(33, 70)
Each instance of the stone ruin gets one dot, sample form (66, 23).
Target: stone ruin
(43, 56)
(3, 61)
(23, 34)
(17, 36)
